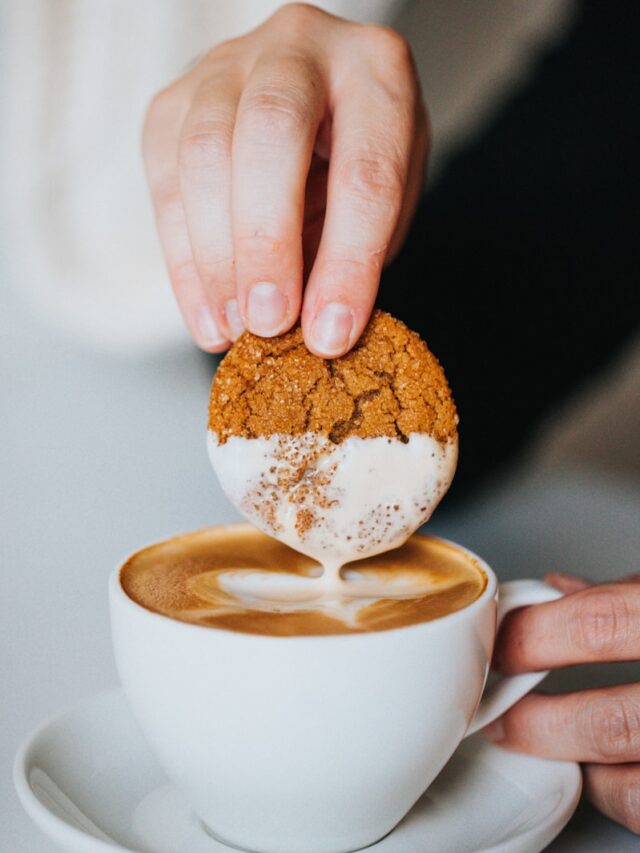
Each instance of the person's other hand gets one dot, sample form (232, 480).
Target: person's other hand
(600, 727)
(295, 151)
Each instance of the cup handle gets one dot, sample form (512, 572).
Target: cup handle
(503, 692)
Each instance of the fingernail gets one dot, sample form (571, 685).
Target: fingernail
(208, 332)
(331, 329)
(234, 320)
(266, 309)
(494, 731)
(566, 582)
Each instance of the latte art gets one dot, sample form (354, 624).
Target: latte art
(237, 578)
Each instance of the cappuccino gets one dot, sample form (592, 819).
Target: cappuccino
(237, 578)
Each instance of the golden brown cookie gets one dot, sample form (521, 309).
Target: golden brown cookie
(390, 384)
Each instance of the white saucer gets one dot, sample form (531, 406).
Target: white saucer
(89, 781)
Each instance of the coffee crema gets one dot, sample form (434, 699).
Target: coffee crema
(237, 578)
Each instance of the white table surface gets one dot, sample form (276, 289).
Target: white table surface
(101, 455)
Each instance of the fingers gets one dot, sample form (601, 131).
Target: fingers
(615, 791)
(600, 726)
(574, 583)
(229, 156)
(204, 157)
(277, 120)
(372, 140)
(601, 623)
(567, 583)
(160, 145)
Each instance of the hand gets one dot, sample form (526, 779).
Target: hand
(601, 727)
(297, 150)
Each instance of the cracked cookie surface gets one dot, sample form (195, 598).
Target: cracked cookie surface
(389, 385)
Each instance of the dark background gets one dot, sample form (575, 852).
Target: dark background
(521, 268)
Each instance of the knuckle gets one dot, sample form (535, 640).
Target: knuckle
(297, 16)
(168, 205)
(161, 103)
(600, 622)
(161, 107)
(276, 110)
(204, 143)
(354, 264)
(389, 45)
(374, 177)
(183, 275)
(613, 726)
(166, 201)
(224, 52)
(393, 68)
(216, 271)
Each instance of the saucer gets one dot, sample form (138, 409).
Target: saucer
(89, 781)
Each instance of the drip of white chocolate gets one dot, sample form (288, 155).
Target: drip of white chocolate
(335, 503)
(241, 590)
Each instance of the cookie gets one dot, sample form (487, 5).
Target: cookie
(340, 459)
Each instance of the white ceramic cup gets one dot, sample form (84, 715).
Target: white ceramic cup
(312, 744)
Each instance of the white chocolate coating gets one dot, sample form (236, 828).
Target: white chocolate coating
(335, 502)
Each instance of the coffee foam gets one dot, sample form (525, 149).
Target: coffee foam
(237, 578)
(335, 502)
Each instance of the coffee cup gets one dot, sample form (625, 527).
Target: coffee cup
(313, 744)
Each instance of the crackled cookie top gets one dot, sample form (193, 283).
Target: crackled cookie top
(389, 385)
